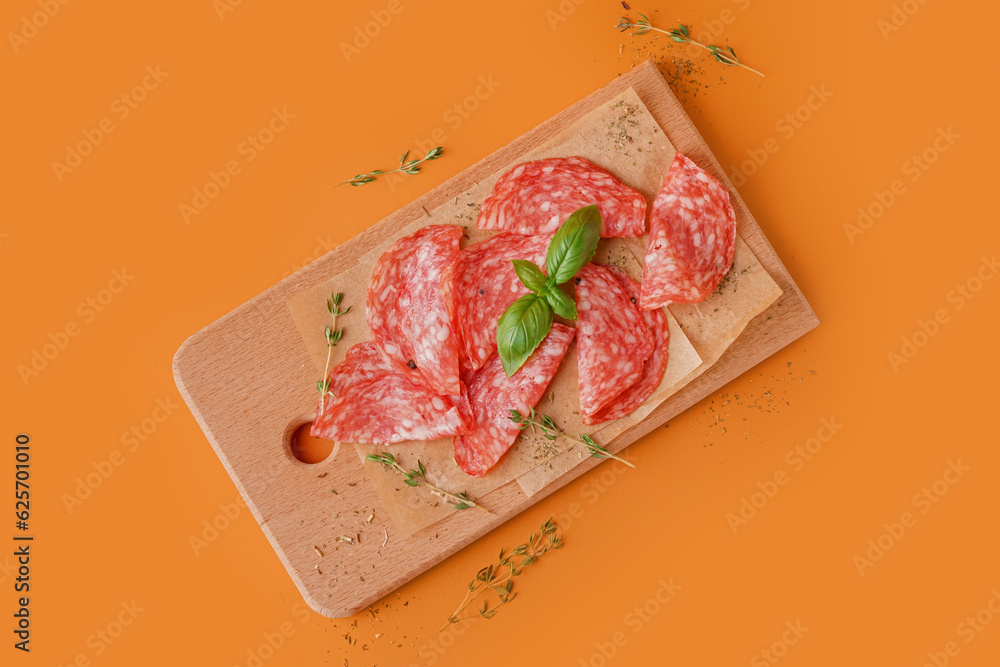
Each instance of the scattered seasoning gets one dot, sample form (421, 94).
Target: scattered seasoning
(618, 130)
(470, 214)
(318, 551)
(551, 431)
(686, 77)
(544, 448)
(680, 34)
(370, 517)
(732, 279)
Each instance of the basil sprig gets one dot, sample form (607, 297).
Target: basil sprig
(526, 322)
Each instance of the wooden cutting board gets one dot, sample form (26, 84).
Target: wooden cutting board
(248, 376)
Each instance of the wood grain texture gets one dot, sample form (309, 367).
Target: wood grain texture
(249, 381)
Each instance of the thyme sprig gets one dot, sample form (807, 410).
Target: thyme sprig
(499, 577)
(418, 477)
(681, 35)
(409, 167)
(333, 335)
(551, 431)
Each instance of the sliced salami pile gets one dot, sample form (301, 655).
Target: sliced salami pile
(652, 369)
(375, 404)
(537, 197)
(613, 339)
(493, 395)
(404, 385)
(407, 312)
(481, 284)
(692, 237)
(433, 369)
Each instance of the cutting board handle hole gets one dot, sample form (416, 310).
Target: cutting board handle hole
(306, 448)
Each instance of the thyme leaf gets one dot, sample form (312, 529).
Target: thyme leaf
(551, 431)
(681, 35)
(499, 577)
(333, 336)
(409, 167)
(418, 477)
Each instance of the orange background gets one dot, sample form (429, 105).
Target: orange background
(793, 562)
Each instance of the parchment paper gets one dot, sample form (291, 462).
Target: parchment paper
(622, 137)
(710, 327)
(561, 401)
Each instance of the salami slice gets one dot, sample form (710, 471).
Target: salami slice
(692, 237)
(493, 395)
(386, 410)
(482, 284)
(363, 362)
(537, 197)
(407, 312)
(613, 340)
(372, 403)
(652, 369)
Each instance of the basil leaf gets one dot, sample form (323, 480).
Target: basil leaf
(529, 274)
(574, 244)
(522, 327)
(561, 303)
